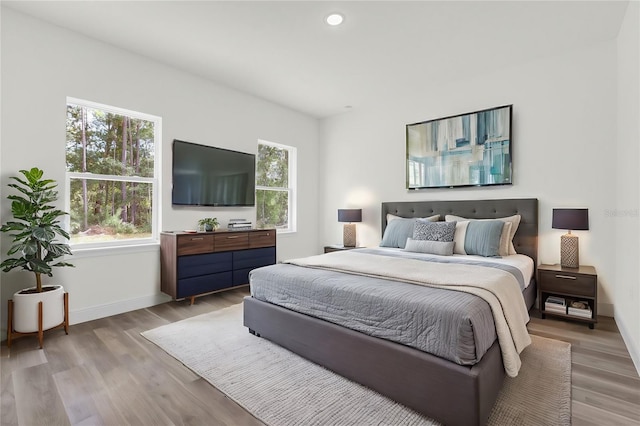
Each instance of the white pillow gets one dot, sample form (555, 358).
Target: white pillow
(433, 218)
(506, 243)
(459, 236)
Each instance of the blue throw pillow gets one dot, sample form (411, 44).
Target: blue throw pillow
(483, 237)
(397, 232)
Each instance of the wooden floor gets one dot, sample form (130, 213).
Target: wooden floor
(104, 372)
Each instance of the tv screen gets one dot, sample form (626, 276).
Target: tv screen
(209, 176)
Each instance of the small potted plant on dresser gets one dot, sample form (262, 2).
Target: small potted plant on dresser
(208, 224)
(35, 249)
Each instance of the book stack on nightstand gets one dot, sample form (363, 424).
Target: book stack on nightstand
(555, 304)
(580, 308)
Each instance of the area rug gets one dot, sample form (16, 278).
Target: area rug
(280, 388)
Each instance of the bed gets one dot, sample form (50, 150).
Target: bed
(446, 391)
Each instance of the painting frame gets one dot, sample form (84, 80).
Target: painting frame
(463, 150)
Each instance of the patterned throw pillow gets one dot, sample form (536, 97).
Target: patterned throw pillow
(434, 231)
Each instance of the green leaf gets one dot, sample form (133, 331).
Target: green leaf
(18, 198)
(57, 250)
(39, 266)
(20, 181)
(10, 264)
(30, 248)
(32, 175)
(15, 248)
(13, 226)
(51, 216)
(43, 233)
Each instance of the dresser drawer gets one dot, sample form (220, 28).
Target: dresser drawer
(204, 264)
(194, 244)
(559, 282)
(241, 276)
(231, 241)
(254, 258)
(262, 239)
(204, 284)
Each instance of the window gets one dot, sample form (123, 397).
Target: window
(275, 186)
(112, 175)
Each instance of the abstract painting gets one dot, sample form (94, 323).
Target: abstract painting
(472, 149)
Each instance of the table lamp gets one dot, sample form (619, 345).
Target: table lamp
(570, 219)
(349, 229)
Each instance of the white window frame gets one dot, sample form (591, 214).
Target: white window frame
(156, 189)
(291, 189)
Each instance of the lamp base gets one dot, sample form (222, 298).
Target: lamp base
(349, 235)
(569, 251)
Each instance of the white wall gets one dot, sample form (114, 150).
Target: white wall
(626, 212)
(564, 149)
(43, 64)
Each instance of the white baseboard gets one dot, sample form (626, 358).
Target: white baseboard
(628, 341)
(102, 311)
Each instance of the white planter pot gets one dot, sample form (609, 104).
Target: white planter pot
(25, 309)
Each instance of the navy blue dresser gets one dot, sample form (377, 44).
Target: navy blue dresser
(206, 262)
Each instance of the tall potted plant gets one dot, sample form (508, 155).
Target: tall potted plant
(35, 249)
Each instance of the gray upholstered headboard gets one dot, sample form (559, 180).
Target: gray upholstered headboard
(525, 240)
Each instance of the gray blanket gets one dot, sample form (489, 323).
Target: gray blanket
(452, 325)
(497, 287)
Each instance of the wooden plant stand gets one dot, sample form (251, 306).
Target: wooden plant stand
(11, 333)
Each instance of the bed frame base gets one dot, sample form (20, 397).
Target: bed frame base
(449, 393)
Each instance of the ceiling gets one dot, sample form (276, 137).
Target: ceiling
(285, 53)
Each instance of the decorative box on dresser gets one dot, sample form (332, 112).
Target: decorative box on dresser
(193, 264)
(572, 284)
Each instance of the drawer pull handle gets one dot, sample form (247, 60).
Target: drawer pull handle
(231, 238)
(197, 238)
(566, 277)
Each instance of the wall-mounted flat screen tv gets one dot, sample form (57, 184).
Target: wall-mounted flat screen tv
(472, 149)
(209, 176)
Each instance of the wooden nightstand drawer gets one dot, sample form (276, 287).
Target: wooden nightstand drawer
(562, 282)
(194, 244)
(231, 241)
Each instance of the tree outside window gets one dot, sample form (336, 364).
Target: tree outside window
(275, 186)
(111, 174)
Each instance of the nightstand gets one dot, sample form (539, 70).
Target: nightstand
(337, 247)
(572, 285)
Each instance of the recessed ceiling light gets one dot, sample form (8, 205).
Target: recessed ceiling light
(334, 19)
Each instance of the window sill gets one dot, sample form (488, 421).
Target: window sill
(79, 252)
